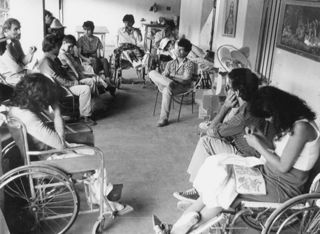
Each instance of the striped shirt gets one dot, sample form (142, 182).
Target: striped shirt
(233, 130)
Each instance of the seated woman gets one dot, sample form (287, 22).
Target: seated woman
(33, 94)
(90, 48)
(76, 71)
(287, 167)
(128, 39)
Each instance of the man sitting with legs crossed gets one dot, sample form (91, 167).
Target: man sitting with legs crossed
(176, 78)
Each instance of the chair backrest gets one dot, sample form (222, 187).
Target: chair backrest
(19, 134)
(313, 183)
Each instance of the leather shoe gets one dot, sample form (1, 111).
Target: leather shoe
(162, 123)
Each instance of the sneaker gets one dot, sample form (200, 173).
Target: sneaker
(191, 195)
(87, 120)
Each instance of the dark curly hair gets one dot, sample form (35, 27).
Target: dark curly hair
(128, 18)
(185, 43)
(88, 24)
(245, 81)
(35, 92)
(283, 107)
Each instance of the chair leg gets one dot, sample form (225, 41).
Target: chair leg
(192, 101)
(155, 104)
(180, 107)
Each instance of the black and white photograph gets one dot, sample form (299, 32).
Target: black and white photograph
(164, 117)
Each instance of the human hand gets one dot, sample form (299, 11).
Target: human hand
(252, 139)
(231, 100)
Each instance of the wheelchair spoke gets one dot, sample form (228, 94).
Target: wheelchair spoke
(53, 208)
(299, 215)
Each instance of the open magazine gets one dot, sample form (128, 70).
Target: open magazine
(249, 180)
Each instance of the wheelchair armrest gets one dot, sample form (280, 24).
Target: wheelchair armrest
(67, 150)
(260, 204)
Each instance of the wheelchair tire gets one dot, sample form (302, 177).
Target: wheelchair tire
(298, 215)
(39, 199)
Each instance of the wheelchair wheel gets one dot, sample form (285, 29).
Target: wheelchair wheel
(38, 199)
(300, 214)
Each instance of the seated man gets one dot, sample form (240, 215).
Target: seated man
(90, 48)
(76, 71)
(13, 60)
(176, 78)
(127, 39)
(51, 67)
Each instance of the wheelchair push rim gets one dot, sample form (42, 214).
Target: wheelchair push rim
(38, 199)
(300, 214)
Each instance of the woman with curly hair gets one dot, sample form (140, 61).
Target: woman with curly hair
(285, 171)
(36, 93)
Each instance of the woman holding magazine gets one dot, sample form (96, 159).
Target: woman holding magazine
(287, 164)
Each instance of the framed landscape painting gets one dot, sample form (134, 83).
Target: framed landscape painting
(299, 28)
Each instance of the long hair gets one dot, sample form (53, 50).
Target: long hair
(34, 92)
(283, 107)
(245, 81)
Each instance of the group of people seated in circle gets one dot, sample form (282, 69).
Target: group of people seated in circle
(288, 150)
(274, 126)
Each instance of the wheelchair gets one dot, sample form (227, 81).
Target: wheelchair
(300, 214)
(40, 196)
(124, 63)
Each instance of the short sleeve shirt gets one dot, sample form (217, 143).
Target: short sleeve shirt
(174, 68)
(89, 45)
(125, 37)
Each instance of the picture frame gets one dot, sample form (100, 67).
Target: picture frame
(230, 18)
(299, 28)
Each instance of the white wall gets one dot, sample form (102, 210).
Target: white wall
(195, 21)
(297, 75)
(109, 13)
(29, 13)
(53, 7)
(247, 28)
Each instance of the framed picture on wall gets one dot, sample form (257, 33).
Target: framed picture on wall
(230, 18)
(299, 28)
